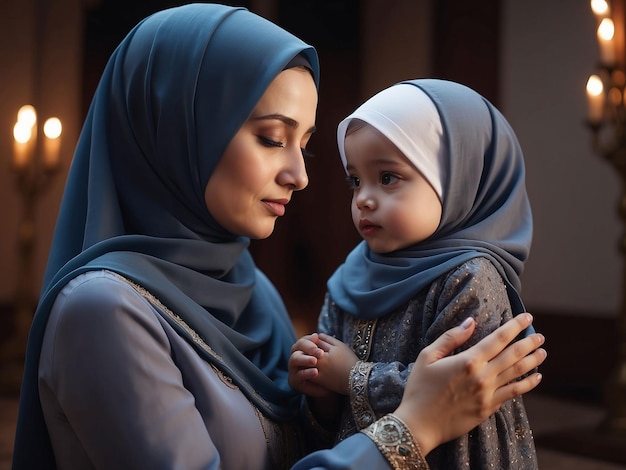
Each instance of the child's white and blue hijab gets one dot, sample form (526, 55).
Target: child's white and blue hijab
(172, 96)
(469, 153)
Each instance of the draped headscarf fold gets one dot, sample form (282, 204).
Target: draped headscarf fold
(485, 207)
(172, 96)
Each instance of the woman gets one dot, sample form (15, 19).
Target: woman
(157, 343)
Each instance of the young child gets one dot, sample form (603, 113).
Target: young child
(439, 198)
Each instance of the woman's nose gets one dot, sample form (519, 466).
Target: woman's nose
(294, 173)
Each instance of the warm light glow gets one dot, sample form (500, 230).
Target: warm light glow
(595, 99)
(22, 132)
(27, 115)
(600, 7)
(615, 96)
(594, 86)
(606, 30)
(52, 128)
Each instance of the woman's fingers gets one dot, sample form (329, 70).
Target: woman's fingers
(518, 359)
(492, 345)
(448, 342)
(516, 388)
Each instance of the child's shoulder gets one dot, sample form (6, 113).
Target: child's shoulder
(478, 270)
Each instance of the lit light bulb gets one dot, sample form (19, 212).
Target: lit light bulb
(595, 99)
(22, 132)
(27, 115)
(594, 85)
(52, 128)
(606, 30)
(600, 7)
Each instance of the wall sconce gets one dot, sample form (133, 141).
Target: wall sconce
(606, 118)
(25, 153)
(34, 162)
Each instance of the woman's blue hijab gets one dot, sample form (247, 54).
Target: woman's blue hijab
(172, 96)
(485, 212)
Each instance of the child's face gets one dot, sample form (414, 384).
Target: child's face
(393, 205)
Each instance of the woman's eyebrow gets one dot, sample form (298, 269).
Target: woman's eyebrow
(281, 117)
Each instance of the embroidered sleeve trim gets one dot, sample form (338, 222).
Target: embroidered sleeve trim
(362, 342)
(395, 441)
(361, 409)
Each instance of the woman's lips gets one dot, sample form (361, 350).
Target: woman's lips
(276, 206)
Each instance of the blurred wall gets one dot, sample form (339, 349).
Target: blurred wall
(547, 51)
(59, 86)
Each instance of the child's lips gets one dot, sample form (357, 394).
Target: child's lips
(367, 227)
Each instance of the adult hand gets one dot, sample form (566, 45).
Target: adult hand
(447, 396)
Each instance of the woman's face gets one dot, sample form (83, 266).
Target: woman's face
(264, 164)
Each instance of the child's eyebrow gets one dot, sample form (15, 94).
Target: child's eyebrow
(387, 161)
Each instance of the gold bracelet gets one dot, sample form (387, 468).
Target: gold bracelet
(395, 441)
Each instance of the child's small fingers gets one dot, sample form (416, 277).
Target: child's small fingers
(307, 374)
(299, 359)
(329, 339)
(312, 349)
(323, 345)
(306, 342)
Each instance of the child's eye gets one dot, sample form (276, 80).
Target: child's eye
(306, 153)
(388, 178)
(353, 182)
(269, 142)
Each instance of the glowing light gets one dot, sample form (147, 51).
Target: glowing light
(52, 128)
(606, 30)
(600, 7)
(21, 132)
(594, 86)
(595, 99)
(27, 115)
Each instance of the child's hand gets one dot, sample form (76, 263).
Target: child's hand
(335, 364)
(302, 367)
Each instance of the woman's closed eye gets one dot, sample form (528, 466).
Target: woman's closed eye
(276, 143)
(269, 142)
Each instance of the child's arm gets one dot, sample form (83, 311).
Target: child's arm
(476, 290)
(473, 290)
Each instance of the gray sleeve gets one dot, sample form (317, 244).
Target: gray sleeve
(504, 440)
(353, 453)
(474, 289)
(109, 383)
(329, 321)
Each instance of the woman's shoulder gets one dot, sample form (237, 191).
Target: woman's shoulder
(96, 287)
(99, 296)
